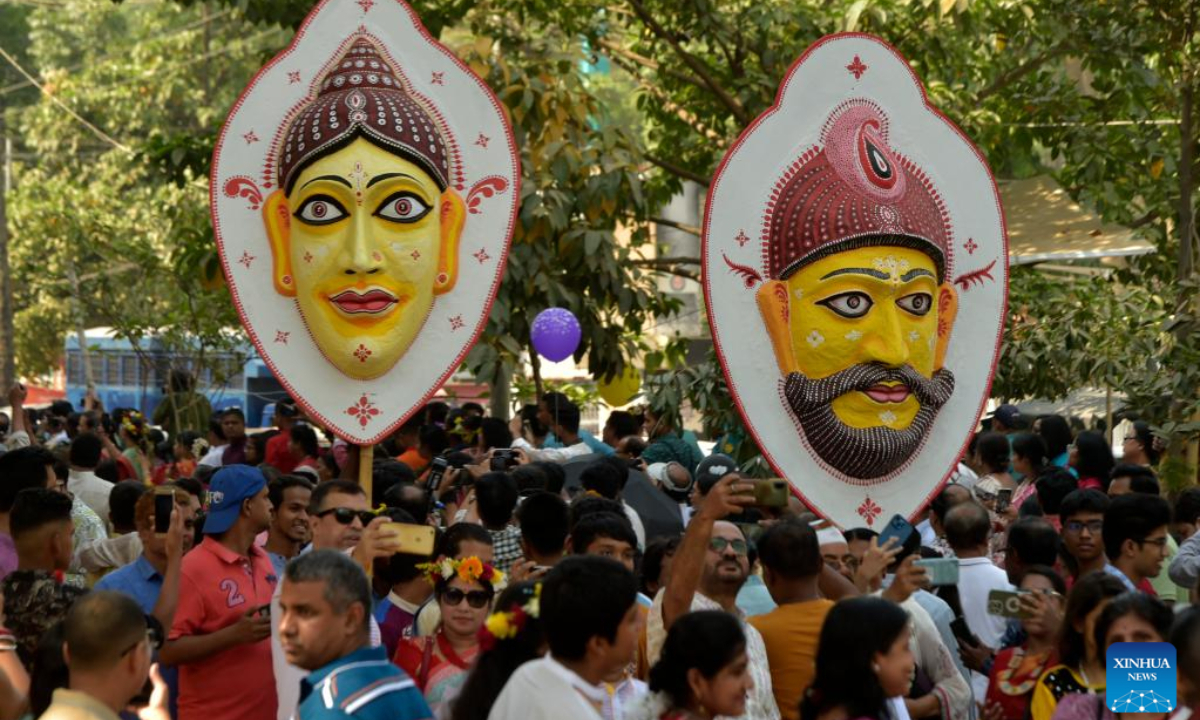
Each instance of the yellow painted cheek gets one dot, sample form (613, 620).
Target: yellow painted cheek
(921, 339)
(412, 256)
(824, 343)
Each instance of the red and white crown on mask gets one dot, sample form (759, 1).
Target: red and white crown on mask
(853, 191)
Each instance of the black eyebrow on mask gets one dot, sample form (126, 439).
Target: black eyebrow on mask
(387, 176)
(877, 274)
(334, 178)
(912, 274)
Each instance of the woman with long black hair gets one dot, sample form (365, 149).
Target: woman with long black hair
(863, 661)
(1029, 460)
(703, 671)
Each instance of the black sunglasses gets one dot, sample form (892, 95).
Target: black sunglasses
(345, 516)
(476, 598)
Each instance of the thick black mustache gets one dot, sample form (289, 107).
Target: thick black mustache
(805, 392)
(864, 453)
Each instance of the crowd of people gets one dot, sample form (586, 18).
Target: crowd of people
(494, 570)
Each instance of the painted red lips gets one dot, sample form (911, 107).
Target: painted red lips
(888, 393)
(372, 302)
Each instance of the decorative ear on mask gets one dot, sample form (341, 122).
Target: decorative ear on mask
(775, 307)
(278, 221)
(947, 312)
(454, 216)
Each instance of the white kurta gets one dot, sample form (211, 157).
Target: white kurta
(760, 705)
(546, 690)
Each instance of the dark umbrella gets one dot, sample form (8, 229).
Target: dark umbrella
(659, 513)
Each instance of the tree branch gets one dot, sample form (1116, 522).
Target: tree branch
(665, 261)
(678, 171)
(664, 265)
(1144, 220)
(689, 229)
(652, 64)
(1022, 70)
(692, 62)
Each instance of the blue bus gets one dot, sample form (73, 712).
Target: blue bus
(125, 377)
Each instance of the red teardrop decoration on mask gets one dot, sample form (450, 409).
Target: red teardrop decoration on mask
(873, 155)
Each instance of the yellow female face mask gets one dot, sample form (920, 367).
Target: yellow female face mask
(364, 241)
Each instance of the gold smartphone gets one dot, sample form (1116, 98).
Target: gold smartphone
(414, 539)
(772, 493)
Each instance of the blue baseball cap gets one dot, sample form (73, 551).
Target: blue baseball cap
(230, 486)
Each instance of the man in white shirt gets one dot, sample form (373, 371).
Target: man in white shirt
(589, 614)
(968, 528)
(83, 481)
(216, 444)
(566, 428)
(708, 570)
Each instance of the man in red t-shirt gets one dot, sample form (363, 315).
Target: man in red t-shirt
(279, 456)
(221, 635)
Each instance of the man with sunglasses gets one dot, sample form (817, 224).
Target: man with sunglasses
(220, 635)
(108, 648)
(709, 569)
(339, 513)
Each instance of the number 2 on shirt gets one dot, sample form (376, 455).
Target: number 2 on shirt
(234, 598)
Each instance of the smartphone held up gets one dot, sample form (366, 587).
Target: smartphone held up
(164, 504)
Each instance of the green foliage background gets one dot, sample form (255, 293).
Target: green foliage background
(616, 103)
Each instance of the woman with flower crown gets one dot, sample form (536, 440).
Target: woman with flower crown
(511, 637)
(438, 664)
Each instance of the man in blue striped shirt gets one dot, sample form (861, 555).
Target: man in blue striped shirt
(326, 605)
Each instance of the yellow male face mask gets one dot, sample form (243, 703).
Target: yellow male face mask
(872, 306)
(364, 242)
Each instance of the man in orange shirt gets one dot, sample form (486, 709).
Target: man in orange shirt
(792, 564)
(220, 637)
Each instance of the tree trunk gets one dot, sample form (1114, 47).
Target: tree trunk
(1190, 452)
(535, 365)
(8, 374)
(80, 329)
(1187, 216)
(500, 403)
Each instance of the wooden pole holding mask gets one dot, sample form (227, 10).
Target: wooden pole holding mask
(366, 460)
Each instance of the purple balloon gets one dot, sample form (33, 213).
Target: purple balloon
(555, 334)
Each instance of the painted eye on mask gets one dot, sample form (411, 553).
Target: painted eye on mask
(917, 303)
(320, 210)
(849, 305)
(403, 207)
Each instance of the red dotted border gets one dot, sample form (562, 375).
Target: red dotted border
(497, 278)
(707, 244)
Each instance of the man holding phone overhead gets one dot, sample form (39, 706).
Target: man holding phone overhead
(153, 579)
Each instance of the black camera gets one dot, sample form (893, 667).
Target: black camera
(503, 459)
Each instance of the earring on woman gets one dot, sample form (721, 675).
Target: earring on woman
(875, 667)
